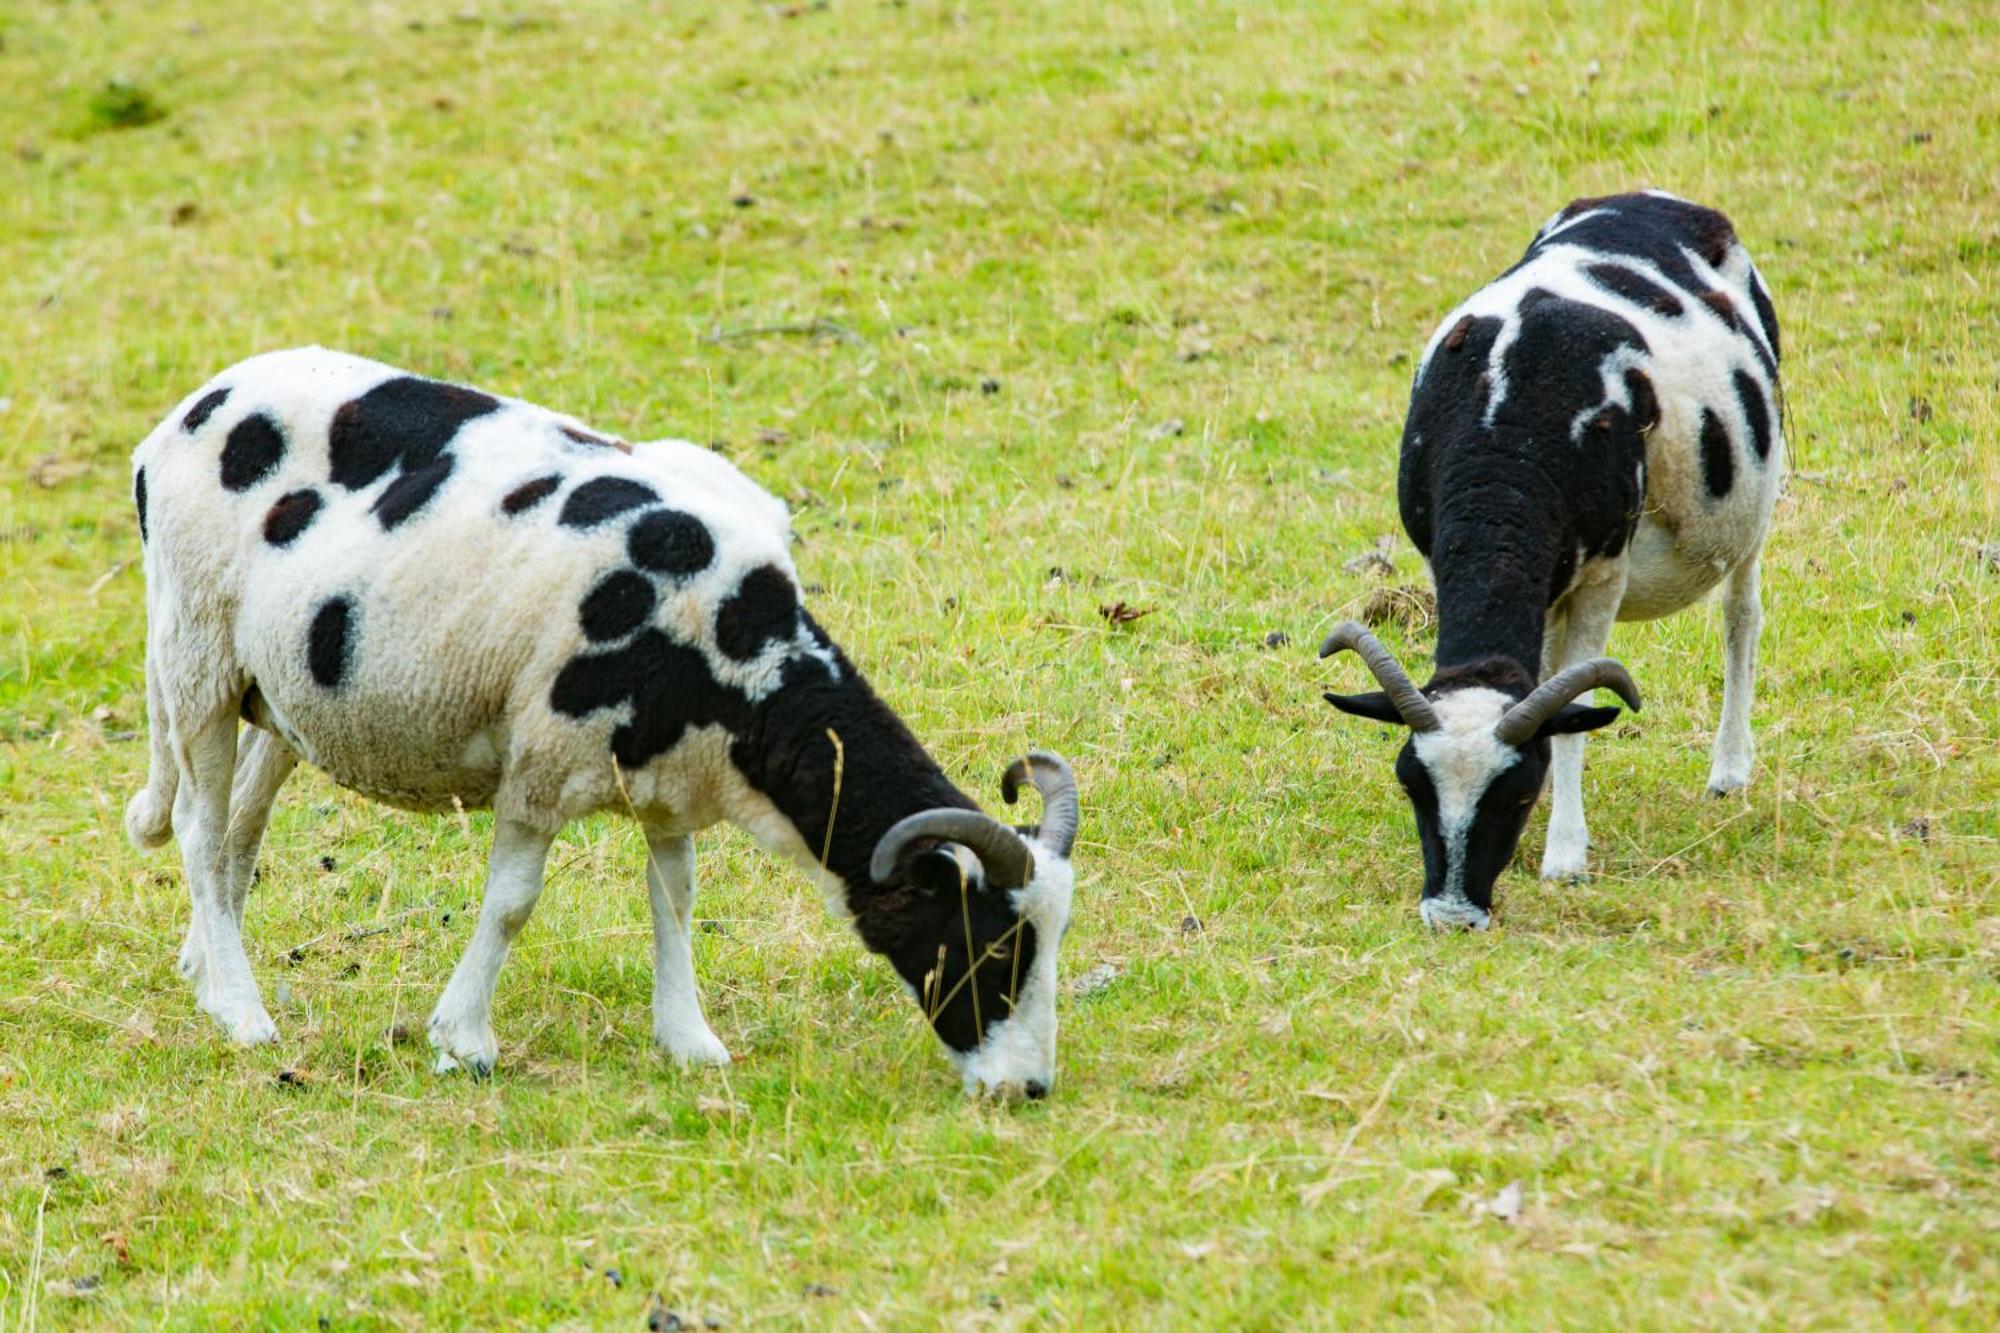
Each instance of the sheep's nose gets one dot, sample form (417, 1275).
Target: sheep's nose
(1453, 914)
(1036, 1089)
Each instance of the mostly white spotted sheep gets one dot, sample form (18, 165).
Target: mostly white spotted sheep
(443, 598)
(1595, 436)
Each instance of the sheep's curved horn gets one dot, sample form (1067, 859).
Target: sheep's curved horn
(1396, 682)
(1052, 778)
(1525, 718)
(1009, 864)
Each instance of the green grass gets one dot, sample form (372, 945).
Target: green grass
(1750, 1074)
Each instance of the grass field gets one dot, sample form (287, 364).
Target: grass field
(1028, 309)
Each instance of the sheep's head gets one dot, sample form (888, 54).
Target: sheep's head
(1474, 763)
(971, 912)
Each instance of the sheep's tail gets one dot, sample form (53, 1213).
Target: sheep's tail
(149, 816)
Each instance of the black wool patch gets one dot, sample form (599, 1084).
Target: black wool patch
(667, 685)
(765, 606)
(668, 541)
(330, 642)
(1645, 402)
(618, 605)
(139, 499)
(603, 498)
(1756, 411)
(291, 515)
(198, 415)
(253, 449)
(1718, 462)
(529, 494)
(409, 493)
(1766, 316)
(406, 421)
(1635, 287)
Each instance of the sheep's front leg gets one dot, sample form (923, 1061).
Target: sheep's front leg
(462, 1025)
(678, 1025)
(1743, 619)
(224, 988)
(261, 769)
(1585, 628)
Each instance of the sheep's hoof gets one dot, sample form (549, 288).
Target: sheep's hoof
(253, 1029)
(1565, 869)
(476, 1053)
(1727, 784)
(477, 1067)
(689, 1049)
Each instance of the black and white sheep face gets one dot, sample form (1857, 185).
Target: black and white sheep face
(1474, 764)
(1472, 793)
(980, 961)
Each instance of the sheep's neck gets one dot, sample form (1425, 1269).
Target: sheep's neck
(841, 767)
(1494, 558)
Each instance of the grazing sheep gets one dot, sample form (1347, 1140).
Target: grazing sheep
(1594, 436)
(443, 599)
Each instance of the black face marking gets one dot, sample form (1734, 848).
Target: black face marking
(199, 413)
(668, 541)
(330, 642)
(765, 606)
(603, 498)
(406, 421)
(409, 493)
(253, 449)
(1718, 463)
(619, 604)
(1500, 813)
(1755, 411)
(291, 515)
(529, 494)
(139, 499)
(1635, 287)
(921, 927)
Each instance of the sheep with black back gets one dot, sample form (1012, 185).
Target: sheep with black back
(1594, 436)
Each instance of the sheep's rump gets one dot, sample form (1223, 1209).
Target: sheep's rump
(439, 596)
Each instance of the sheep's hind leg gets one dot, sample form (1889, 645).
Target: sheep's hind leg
(262, 766)
(678, 1026)
(1743, 619)
(224, 987)
(461, 1026)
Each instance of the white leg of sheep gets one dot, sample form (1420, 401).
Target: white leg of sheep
(1588, 614)
(1743, 619)
(678, 1025)
(261, 769)
(224, 989)
(461, 1026)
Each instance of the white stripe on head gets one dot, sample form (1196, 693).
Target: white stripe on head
(1463, 756)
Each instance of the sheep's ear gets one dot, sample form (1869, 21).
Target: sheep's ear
(1375, 706)
(940, 870)
(1576, 718)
